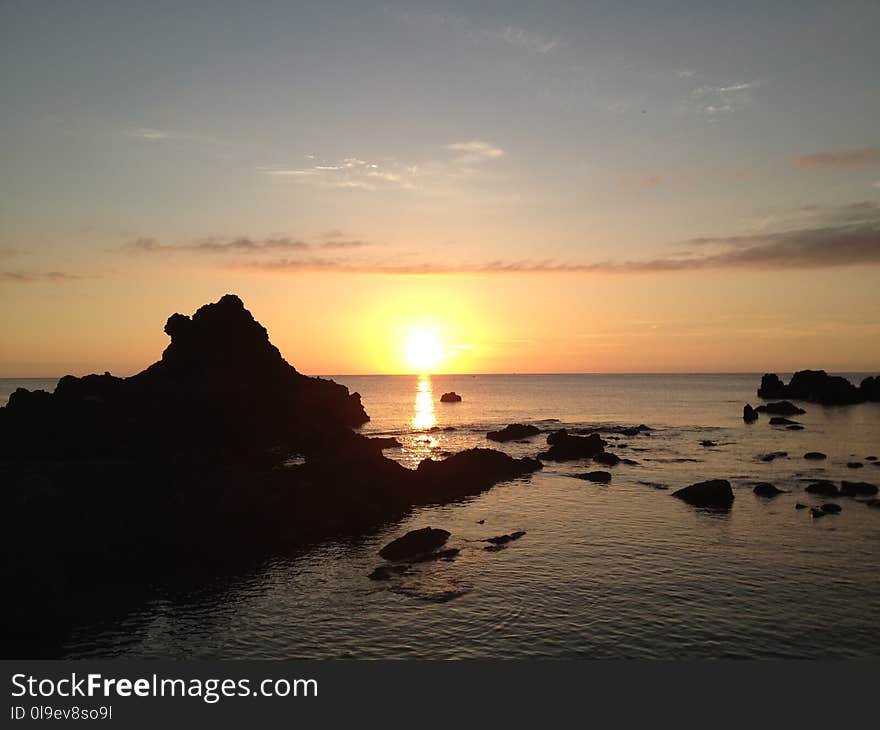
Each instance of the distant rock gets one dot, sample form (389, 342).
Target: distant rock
(766, 489)
(415, 542)
(781, 408)
(854, 465)
(798, 505)
(782, 421)
(823, 487)
(858, 489)
(707, 443)
(773, 455)
(713, 493)
(750, 415)
(817, 386)
(600, 477)
(513, 432)
(451, 397)
(831, 508)
(873, 502)
(815, 455)
(870, 458)
(502, 540)
(607, 458)
(817, 512)
(794, 427)
(565, 447)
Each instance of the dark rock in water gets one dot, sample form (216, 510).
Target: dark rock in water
(773, 455)
(831, 508)
(854, 465)
(481, 522)
(815, 455)
(565, 447)
(462, 474)
(817, 512)
(823, 487)
(713, 493)
(817, 386)
(870, 458)
(513, 432)
(794, 427)
(781, 408)
(782, 421)
(873, 502)
(766, 489)
(750, 415)
(386, 442)
(629, 462)
(707, 443)
(447, 554)
(656, 485)
(387, 572)
(451, 397)
(600, 477)
(798, 505)
(415, 542)
(869, 389)
(618, 430)
(853, 489)
(504, 539)
(607, 458)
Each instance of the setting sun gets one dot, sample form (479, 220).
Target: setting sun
(423, 350)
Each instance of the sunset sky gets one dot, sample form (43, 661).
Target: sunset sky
(543, 187)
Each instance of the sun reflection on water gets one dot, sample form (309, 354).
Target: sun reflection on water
(424, 416)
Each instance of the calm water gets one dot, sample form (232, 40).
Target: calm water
(622, 570)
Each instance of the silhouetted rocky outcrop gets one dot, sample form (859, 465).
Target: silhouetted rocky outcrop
(183, 471)
(749, 414)
(818, 387)
(415, 542)
(781, 408)
(450, 397)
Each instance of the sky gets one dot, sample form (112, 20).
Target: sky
(539, 187)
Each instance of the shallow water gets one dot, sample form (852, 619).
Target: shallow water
(618, 570)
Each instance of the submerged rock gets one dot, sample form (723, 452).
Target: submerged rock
(504, 539)
(773, 455)
(781, 408)
(831, 508)
(798, 505)
(815, 455)
(513, 432)
(451, 397)
(823, 487)
(607, 458)
(854, 465)
(415, 542)
(782, 421)
(856, 489)
(766, 489)
(600, 477)
(707, 443)
(565, 447)
(711, 493)
(794, 427)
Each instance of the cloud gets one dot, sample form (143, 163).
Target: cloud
(152, 134)
(646, 181)
(852, 237)
(8, 253)
(854, 158)
(36, 277)
(356, 173)
(240, 245)
(475, 151)
(725, 98)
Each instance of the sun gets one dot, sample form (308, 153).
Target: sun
(424, 350)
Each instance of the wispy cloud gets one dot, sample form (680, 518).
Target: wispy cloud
(8, 253)
(371, 175)
(853, 158)
(850, 236)
(475, 151)
(153, 134)
(36, 277)
(645, 181)
(242, 245)
(724, 98)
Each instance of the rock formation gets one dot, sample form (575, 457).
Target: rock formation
(817, 386)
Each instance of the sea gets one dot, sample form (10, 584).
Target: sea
(617, 570)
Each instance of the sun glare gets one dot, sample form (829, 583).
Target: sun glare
(423, 350)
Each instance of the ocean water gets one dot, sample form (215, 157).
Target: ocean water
(604, 571)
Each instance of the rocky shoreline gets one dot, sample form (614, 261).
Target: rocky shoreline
(222, 454)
